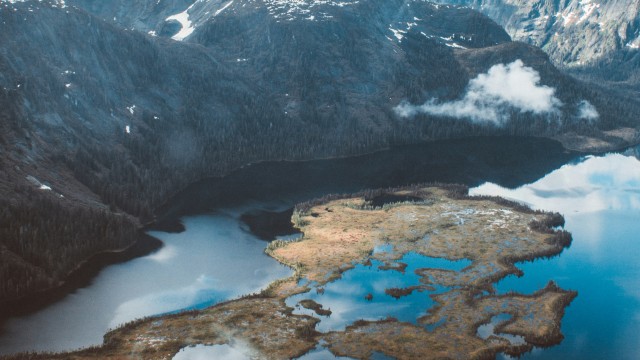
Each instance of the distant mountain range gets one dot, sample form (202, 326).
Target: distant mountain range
(597, 40)
(109, 107)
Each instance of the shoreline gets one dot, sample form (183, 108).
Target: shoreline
(248, 313)
(161, 214)
(162, 209)
(163, 220)
(80, 277)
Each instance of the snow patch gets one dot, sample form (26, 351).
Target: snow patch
(54, 3)
(223, 8)
(455, 45)
(398, 33)
(634, 44)
(301, 9)
(183, 19)
(587, 10)
(37, 183)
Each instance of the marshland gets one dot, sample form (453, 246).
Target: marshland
(388, 241)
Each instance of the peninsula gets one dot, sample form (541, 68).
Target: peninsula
(452, 312)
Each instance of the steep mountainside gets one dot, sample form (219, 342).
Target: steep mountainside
(594, 38)
(104, 119)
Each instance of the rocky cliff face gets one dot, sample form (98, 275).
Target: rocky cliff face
(572, 32)
(596, 38)
(108, 107)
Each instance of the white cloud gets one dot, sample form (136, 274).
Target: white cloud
(489, 96)
(587, 111)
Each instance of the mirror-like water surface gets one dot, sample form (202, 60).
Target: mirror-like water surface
(599, 196)
(600, 199)
(347, 296)
(212, 261)
(204, 352)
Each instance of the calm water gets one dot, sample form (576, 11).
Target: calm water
(208, 352)
(217, 258)
(600, 199)
(345, 297)
(212, 261)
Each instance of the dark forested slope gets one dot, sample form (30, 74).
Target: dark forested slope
(102, 121)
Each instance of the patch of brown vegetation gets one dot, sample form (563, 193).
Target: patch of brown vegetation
(341, 231)
(492, 232)
(265, 324)
(317, 308)
(537, 318)
(400, 292)
(472, 228)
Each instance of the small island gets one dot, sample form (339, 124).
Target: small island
(445, 250)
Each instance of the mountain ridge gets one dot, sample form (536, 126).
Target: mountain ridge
(596, 40)
(110, 122)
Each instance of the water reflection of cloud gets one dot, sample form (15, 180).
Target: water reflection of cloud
(347, 309)
(346, 288)
(165, 254)
(630, 283)
(207, 352)
(610, 182)
(321, 353)
(381, 284)
(202, 289)
(566, 193)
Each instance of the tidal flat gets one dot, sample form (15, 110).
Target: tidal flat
(392, 232)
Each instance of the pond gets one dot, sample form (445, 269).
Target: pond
(347, 300)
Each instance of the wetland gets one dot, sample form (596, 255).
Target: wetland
(429, 278)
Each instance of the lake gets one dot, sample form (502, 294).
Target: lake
(600, 200)
(214, 260)
(218, 258)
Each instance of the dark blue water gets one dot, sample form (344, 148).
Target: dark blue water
(345, 297)
(600, 199)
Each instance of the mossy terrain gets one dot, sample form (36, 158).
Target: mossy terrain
(342, 231)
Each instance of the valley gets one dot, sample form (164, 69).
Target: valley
(340, 232)
(112, 122)
(121, 121)
(269, 188)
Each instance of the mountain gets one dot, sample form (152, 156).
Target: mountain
(597, 40)
(110, 107)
